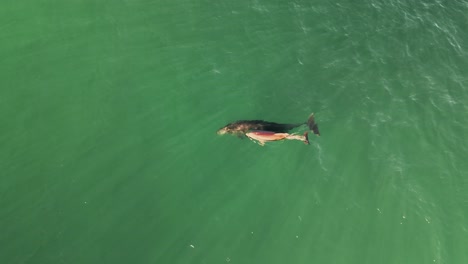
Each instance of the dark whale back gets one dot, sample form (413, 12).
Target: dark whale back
(264, 125)
(244, 126)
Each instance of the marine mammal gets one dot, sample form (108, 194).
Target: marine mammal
(263, 131)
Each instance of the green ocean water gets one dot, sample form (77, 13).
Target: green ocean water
(109, 109)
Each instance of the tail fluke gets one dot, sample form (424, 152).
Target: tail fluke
(312, 125)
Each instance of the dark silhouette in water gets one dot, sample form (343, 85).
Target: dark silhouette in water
(255, 129)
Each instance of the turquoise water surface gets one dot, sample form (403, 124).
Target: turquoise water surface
(109, 112)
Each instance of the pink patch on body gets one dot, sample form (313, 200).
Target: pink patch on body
(266, 135)
(262, 133)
